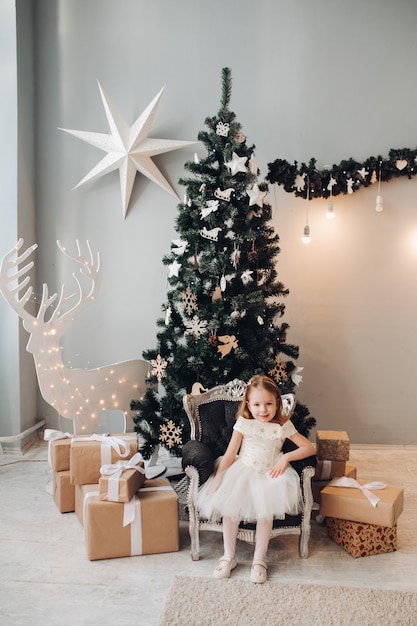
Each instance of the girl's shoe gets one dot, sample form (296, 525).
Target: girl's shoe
(258, 572)
(224, 567)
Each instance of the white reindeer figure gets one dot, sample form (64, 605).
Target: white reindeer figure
(77, 394)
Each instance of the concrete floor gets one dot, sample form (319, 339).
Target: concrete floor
(46, 578)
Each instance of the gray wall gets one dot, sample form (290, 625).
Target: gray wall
(325, 79)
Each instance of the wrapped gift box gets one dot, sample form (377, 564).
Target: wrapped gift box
(89, 453)
(80, 493)
(154, 528)
(120, 481)
(351, 504)
(362, 539)
(328, 469)
(332, 445)
(64, 491)
(318, 485)
(59, 445)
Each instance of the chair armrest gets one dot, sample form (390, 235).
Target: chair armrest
(198, 455)
(310, 461)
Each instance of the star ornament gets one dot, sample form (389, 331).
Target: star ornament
(237, 164)
(129, 149)
(256, 196)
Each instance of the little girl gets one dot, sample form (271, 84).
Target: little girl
(259, 484)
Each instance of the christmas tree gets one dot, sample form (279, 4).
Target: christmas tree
(224, 306)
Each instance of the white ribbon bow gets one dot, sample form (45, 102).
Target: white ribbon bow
(107, 444)
(115, 470)
(345, 481)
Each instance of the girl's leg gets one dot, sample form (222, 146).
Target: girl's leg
(259, 567)
(227, 561)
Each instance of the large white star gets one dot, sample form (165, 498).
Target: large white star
(129, 150)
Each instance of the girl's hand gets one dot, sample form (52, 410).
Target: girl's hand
(279, 467)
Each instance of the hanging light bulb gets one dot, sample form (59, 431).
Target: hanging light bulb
(330, 210)
(379, 206)
(306, 236)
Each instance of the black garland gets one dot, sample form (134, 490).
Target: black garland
(347, 177)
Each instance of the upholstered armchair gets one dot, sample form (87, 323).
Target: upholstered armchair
(212, 416)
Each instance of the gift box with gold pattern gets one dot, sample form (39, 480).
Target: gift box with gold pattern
(148, 524)
(362, 539)
(89, 453)
(64, 492)
(332, 445)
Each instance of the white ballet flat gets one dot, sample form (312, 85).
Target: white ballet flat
(258, 572)
(224, 567)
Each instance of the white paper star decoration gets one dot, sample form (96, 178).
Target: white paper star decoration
(129, 149)
(237, 164)
(256, 196)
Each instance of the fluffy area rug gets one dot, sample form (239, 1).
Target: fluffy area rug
(205, 602)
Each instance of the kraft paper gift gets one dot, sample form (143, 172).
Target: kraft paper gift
(318, 485)
(362, 539)
(370, 503)
(148, 524)
(332, 445)
(326, 469)
(89, 453)
(64, 492)
(80, 492)
(120, 481)
(59, 445)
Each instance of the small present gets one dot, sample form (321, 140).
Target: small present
(59, 445)
(326, 469)
(64, 492)
(148, 524)
(318, 485)
(120, 481)
(89, 453)
(370, 503)
(80, 499)
(332, 445)
(362, 539)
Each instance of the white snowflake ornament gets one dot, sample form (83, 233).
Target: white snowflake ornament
(195, 327)
(170, 434)
(159, 366)
(189, 301)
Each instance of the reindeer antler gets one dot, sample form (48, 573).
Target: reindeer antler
(10, 272)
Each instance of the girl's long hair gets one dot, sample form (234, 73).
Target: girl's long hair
(261, 382)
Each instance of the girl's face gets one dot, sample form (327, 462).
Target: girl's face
(262, 404)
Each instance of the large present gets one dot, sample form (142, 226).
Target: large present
(80, 499)
(89, 453)
(362, 539)
(332, 445)
(148, 524)
(64, 492)
(59, 445)
(326, 469)
(120, 481)
(371, 503)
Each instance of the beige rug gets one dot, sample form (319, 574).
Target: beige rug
(233, 602)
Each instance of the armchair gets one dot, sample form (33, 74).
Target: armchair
(212, 416)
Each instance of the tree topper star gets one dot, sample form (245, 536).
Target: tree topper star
(129, 150)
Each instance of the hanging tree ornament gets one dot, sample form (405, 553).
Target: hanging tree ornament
(179, 246)
(224, 194)
(237, 164)
(279, 371)
(246, 276)
(195, 327)
(212, 234)
(256, 196)
(222, 129)
(211, 207)
(189, 301)
(235, 257)
(170, 434)
(173, 269)
(229, 342)
(159, 366)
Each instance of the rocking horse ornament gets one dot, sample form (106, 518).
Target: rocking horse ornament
(77, 394)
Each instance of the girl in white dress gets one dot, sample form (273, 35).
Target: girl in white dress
(258, 485)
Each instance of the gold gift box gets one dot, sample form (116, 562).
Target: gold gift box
(80, 493)
(127, 485)
(362, 539)
(86, 457)
(333, 445)
(351, 504)
(64, 491)
(154, 531)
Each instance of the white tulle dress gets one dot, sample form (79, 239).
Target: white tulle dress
(247, 492)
